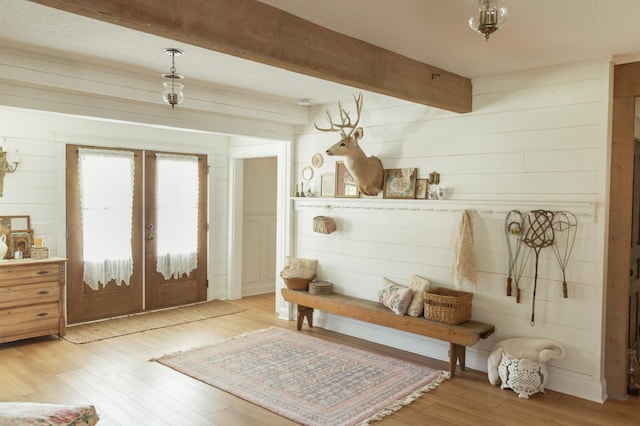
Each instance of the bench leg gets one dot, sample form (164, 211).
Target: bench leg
(456, 353)
(305, 312)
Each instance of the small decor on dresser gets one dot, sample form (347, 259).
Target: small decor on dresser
(18, 235)
(21, 241)
(4, 248)
(39, 251)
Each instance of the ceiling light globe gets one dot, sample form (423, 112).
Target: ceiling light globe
(488, 17)
(172, 93)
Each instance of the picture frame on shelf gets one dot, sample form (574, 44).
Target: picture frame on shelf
(328, 185)
(422, 189)
(400, 183)
(345, 184)
(20, 240)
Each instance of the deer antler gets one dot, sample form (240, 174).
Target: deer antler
(344, 118)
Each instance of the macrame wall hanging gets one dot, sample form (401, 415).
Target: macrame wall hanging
(531, 232)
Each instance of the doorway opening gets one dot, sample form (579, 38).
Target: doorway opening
(281, 151)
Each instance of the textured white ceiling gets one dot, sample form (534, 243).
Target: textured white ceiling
(538, 33)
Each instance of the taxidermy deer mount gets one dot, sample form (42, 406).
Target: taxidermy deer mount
(367, 172)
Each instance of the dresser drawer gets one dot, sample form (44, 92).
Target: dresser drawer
(29, 274)
(29, 294)
(29, 321)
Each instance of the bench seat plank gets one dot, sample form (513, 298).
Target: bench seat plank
(459, 335)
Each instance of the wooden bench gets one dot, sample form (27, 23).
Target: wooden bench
(459, 336)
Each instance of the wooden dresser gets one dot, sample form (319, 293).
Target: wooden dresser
(32, 298)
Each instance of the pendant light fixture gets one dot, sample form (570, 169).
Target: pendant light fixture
(488, 18)
(172, 92)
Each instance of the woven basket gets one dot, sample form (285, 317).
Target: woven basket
(297, 283)
(447, 306)
(323, 225)
(39, 252)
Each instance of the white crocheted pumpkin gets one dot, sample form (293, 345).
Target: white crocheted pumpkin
(524, 376)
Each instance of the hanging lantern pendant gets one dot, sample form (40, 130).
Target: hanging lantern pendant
(490, 16)
(172, 92)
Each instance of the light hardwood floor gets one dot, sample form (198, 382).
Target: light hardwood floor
(127, 389)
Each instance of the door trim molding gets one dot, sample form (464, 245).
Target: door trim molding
(282, 151)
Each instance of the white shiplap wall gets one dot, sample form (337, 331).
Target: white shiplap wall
(37, 188)
(535, 140)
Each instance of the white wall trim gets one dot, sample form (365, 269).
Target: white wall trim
(282, 150)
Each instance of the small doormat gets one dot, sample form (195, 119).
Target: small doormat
(307, 379)
(114, 327)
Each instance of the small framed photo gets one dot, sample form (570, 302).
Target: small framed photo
(399, 183)
(345, 183)
(20, 241)
(328, 185)
(422, 188)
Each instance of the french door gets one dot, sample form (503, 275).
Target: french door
(136, 231)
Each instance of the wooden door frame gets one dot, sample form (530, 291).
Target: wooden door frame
(626, 87)
(282, 151)
(183, 290)
(128, 298)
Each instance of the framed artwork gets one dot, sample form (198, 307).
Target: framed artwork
(14, 223)
(345, 183)
(20, 240)
(328, 185)
(422, 188)
(399, 183)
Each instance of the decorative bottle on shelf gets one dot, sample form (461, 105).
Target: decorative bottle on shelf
(633, 388)
(3, 246)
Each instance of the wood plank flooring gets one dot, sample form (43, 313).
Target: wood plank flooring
(127, 389)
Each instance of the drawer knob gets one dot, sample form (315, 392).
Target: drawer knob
(42, 314)
(43, 292)
(43, 272)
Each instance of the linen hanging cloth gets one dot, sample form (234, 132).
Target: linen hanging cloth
(463, 264)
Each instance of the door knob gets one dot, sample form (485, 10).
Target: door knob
(150, 237)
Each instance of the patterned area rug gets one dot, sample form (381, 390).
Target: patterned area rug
(307, 379)
(114, 327)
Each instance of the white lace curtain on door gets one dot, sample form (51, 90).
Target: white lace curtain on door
(177, 188)
(106, 202)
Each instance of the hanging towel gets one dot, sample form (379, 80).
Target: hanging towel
(463, 264)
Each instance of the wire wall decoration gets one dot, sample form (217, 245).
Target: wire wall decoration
(531, 232)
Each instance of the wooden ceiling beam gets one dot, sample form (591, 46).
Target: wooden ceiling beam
(258, 32)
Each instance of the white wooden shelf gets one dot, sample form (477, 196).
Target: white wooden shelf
(583, 210)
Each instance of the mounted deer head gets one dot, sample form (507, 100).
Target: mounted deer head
(367, 172)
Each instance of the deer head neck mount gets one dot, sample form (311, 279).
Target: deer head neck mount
(367, 172)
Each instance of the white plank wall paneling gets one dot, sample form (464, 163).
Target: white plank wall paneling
(35, 188)
(538, 138)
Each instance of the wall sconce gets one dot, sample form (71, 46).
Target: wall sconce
(5, 167)
(172, 93)
(489, 17)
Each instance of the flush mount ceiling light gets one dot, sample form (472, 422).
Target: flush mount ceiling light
(172, 92)
(488, 18)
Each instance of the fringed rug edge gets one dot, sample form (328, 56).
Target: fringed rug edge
(401, 403)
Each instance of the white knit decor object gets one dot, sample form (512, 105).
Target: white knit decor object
(524, 376)
(519, 363)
